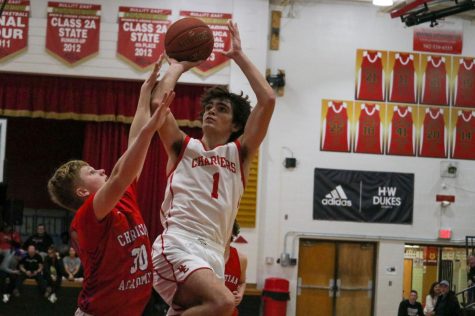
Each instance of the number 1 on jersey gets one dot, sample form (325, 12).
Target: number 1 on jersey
(214, 193)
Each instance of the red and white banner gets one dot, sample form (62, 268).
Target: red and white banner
(430, 256)
(446, 38)
(142, 35)
(72, 31)
(222, 40)
(14, 28)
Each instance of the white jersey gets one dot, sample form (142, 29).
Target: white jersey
(203, 191)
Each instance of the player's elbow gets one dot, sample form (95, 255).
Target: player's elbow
(270, 97)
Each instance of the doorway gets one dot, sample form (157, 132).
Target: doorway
(335, 278)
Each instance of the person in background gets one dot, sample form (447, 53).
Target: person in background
(447, 303)
(431, 299)
(72, 266)
(9, 238)
(41, 240)
(31, 267)
(52, 274)
(410, 307)
(63, 247)
(235, 269)
(471, 279)
(9, 272)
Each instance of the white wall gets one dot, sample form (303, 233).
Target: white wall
(318, 52)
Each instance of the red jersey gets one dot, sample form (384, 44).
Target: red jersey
(336, 134)
(435, 84)
(403, 79)
(369, 130)
(371, 77)
(465, 83)
(7, 238)
(464, 143)
(401, 132)
(433, 135)
(232, 272)
(116, 255)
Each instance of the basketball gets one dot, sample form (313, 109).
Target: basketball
(189, 39)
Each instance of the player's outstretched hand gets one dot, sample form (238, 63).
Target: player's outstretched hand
(151, 81)
(185, 65)
(235, 40)
(160, 114)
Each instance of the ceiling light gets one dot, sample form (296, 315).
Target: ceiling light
(383, 3)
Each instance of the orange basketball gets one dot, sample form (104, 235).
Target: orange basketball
(189, 39)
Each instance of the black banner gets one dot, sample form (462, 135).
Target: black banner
(363, 196)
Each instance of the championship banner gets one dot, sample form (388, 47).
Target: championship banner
(371, 68)
(336, 125)
(401, 130)
(142, 35)
(446, 38)
(72, 31)
(430, 256)
(363, 196)
(14, 28)
(435, 81)
(433, 125)
(404, 69)
(369, 130)
(463, 90)
(222, 40)
(462, 133)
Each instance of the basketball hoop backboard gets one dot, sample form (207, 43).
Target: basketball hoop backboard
(414, 12)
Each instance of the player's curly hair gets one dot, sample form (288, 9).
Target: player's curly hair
(62, 185)
(239, 102)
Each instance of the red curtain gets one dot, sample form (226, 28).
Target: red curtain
(86, 99)
(106, 105)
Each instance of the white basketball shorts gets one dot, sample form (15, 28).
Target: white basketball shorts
(177, 255)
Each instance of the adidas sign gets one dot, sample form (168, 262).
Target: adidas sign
(337, 197)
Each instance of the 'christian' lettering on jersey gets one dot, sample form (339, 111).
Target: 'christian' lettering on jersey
(132, 234)
(231, 279)
(214, 161)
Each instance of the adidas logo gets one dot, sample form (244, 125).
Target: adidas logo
(337, 197)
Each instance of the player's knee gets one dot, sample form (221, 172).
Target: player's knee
(226, 304)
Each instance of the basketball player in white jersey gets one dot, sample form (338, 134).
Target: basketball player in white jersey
(205, 183)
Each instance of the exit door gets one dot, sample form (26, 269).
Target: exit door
(335, 278)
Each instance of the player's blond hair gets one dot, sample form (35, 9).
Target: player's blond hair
(63, 183)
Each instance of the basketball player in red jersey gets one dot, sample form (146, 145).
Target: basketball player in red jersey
(235, 270)
(108, 230)
(205, 184)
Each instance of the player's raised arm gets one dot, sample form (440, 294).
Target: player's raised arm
(170, 134)
(127, 167)
(259, 119)
(142, 113)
